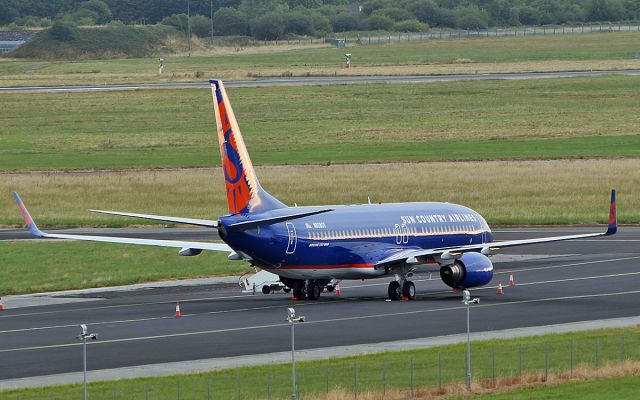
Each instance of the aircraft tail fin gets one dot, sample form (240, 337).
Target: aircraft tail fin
(244, 193)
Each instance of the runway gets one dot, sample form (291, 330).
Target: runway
(322, 80)
(564, 282)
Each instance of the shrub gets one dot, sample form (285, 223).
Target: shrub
(63, 31)
(410, 25)
(229, 21)
(269, 26)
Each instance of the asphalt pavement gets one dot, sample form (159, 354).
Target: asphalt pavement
(323, 80)
(587, 280)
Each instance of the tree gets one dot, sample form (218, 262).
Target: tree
(424, 10)
(229, 21)
(179, 21)
(269, 26)
(321, 24)
(379, 22)
(344, 21)
(8, 14)
(604, 10)
(410, 25)
(200, 25)
(298, 23)
(471, 17)
(395, 13)
(99, 8)
(63, 31)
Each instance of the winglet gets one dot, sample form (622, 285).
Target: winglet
(613, 215)
(33, 228)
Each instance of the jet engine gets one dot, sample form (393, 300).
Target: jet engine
(470, 270)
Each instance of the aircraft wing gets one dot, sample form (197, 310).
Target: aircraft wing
(420, 256)
(33, 228)
(189, 221)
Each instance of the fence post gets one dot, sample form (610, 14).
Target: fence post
(384, 378)
(520, 361)
(146, 391)
(439, 370)
(622, 349)
(115, 393)
(355, 380)
(411, 377)
(546, 361)
(326, 378)
(571, 357)
(493, 365)
(209, 388)
(238, 383)
(268, 385)
(178, 390)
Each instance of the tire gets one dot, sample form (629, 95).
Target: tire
(330, 288)
(409, 290)
(394, 291)
(299, 291)
(314, 291)
(266, 289)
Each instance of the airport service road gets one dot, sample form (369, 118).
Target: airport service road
(564, 282)
(329, 80)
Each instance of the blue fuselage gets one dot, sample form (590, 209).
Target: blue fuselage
(348, 241)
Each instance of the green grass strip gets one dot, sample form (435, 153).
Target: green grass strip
(375, 372)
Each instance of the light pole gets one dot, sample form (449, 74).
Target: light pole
(83, 336)
(189, 25)
(292, 319)
(466, 300)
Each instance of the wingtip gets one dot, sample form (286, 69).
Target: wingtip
(613, 215)
(31, 225)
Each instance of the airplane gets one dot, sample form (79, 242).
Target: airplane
(311, 248)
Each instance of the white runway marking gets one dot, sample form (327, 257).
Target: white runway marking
(332, 320)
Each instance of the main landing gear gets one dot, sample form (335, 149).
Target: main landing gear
(402, 289)
(307, 289)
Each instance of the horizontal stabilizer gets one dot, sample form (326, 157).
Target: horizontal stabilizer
(179, 220)
(275, 220)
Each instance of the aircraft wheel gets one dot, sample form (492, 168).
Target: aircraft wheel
(409, 290)
(314, 290)
(286, 289)
(394, 290)
(299, 291)
(266, 289)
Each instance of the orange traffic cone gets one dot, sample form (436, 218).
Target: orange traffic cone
(178, 313)
(512, 281)
(1, 306)
(500, 291)
(338, 292)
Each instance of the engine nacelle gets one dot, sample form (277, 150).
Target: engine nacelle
(470, 270)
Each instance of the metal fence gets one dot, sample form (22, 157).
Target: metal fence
(424, 369)
(355, 38)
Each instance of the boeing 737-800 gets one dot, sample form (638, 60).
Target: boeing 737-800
(311, 247)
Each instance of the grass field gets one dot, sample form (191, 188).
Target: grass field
(594, 353)
(620, 388)
(508, 54)
(505, 192)
(554, 118)
(36, 266)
